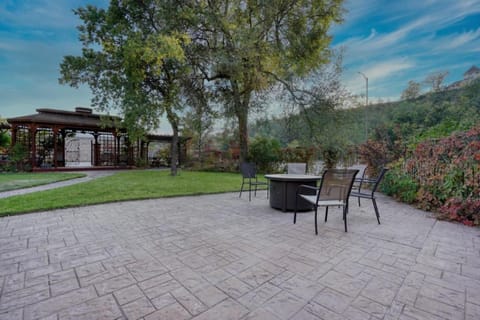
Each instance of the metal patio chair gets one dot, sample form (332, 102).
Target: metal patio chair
(370, 193)
(357, 184)
(249, 177)
(334, 190)
(296, 168)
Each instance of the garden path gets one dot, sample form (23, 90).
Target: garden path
(90, 175)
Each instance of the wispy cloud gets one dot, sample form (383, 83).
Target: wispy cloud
(457, 40)
(384, 69)
(377, 73)
(394, 42)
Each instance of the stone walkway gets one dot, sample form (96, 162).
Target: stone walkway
(90, 175)
(221, 257)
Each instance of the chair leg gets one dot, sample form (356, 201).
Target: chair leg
(345, 209)
(316, 226)
(249, 192)
(326, 213)
(241, 189)
(295, 211)
(376, 209)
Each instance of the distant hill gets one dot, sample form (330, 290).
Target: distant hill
(434, 114)
(469, 76)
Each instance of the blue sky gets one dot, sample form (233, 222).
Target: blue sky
(391, 42)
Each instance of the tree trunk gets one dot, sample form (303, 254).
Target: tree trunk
(174, 151)
(242, 117)
(174, 148)
(241, 107)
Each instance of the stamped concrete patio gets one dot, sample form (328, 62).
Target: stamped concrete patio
(221, 257)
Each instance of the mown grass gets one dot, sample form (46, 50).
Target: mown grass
(129, 185)
(12, 181)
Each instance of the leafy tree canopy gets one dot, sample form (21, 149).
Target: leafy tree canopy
(248, 46)
(412, 91)
(133, 59)
(139, 56)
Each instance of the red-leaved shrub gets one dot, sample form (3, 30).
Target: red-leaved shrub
(448, 173)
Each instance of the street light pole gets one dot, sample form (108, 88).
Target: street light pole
(366, 103)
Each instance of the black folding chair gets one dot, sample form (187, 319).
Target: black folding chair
(370, 193)
(249, 176)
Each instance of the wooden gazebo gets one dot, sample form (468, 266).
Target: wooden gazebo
(44, 134)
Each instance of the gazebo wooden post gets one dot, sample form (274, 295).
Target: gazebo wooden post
(182, 151)
(147, 144)
(55, 150)
(117, 147)
(137, 155)
(33, 145)
(96, 150)
(63, 133)
(14, 135)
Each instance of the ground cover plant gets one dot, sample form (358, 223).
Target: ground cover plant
(128, 185)
(12, 181)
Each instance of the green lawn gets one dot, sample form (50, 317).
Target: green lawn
(128, 185)
(12, 181)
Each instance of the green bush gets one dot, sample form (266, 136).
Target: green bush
(4, 139)
(399, 185)
(18, 157)
(265, 153)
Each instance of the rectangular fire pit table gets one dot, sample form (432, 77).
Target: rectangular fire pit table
(283, 188)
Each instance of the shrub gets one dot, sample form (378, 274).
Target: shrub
(265, 153)
(441, 175)
(331, 155)
(448, 170)
(375, 155)
(465, 211)
(4, 139)
(399, 185)
(296, 154)
(18, 157)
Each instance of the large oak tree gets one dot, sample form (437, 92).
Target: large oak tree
(244, 47)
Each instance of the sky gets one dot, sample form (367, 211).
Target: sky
(390, 42)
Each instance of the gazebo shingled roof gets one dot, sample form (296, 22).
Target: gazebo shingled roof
(81, 118)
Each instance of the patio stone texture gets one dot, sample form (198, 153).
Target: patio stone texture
(221, 257)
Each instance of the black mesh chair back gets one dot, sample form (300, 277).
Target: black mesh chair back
(370, 193)
(296, 168)
(357, 184)
(334, 190)
(248, 170)
(337, 184)
(249, 177)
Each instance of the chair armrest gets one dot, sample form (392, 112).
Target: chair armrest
(361, 181)
(369, 180)
(304, 186)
